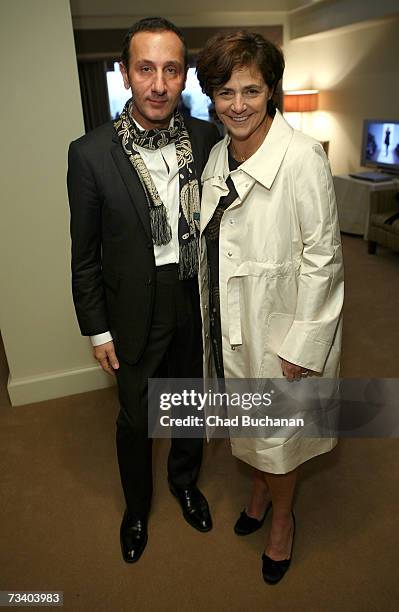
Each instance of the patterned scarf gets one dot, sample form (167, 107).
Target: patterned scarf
(189, 206)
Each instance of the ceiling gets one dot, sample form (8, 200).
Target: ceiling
(301, 18)
(103, 8)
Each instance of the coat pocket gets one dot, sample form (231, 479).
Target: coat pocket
(254, 290)
(277, 327)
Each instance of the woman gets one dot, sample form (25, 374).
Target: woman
(271, 265)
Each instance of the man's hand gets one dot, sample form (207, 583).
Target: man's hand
(294, 372)
(106, 357)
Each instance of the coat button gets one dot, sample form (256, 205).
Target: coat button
(149, 245)
(149, 281)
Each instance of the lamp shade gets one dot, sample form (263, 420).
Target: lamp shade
(301, 101)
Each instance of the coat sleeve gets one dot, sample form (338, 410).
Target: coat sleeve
(320, 284)
(85, 204)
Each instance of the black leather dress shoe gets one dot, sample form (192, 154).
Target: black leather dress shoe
(133, 537)
(195, 507)
(272, 570)
(247, 524)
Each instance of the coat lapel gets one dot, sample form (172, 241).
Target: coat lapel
(197, 147)
(132, 182)
(214, 183)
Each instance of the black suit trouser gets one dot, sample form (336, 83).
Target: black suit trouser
(174, 349)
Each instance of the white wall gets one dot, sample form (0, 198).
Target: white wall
(40, 114)
(357, 73)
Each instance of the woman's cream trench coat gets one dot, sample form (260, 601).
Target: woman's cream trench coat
(280, 274)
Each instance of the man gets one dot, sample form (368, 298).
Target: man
(134, 199)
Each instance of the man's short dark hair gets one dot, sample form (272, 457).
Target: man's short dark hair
(151, 24)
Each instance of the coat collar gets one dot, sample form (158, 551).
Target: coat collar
(265, 163)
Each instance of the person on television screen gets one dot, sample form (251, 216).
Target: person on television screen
(387, 140)
(271, 272)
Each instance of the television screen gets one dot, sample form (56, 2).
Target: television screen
(381, 145)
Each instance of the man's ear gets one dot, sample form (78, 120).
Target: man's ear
(125, 76)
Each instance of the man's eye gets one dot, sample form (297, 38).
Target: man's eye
(145, 68)
(171, 70)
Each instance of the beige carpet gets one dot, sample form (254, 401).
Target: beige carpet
(61, 502)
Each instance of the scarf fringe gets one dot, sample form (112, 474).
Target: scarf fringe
(188, 259)
(160, 229)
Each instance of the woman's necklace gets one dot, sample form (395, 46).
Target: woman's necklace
(243, 158)
(239, 158)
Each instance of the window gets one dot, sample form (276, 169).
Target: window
(194, 102)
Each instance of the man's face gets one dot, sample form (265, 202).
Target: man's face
(156, 75)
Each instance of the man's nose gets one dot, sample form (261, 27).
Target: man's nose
(159, 84)
(238, 105)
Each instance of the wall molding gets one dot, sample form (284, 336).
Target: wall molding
(44, 387)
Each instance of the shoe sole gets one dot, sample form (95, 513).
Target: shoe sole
(272, 583)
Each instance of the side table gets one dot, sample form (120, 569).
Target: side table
(355, 199)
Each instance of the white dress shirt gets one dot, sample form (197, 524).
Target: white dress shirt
(162, 165)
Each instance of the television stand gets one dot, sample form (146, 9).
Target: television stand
(355, 199)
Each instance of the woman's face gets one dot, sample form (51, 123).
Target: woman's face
(241, 103)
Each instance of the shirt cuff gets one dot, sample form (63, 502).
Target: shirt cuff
(101, 338)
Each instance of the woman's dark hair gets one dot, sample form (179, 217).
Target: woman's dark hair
(151, 24)
(225, 52)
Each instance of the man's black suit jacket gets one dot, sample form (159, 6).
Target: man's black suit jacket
(113, 264)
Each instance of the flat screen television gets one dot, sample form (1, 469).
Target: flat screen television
(380, 148)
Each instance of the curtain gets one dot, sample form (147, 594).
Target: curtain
(94, 93)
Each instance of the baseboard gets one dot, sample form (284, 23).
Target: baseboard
(57, 384)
